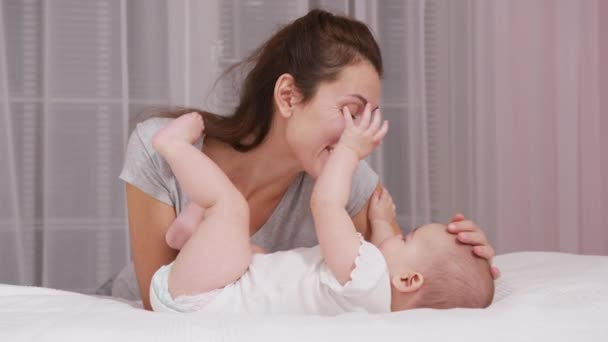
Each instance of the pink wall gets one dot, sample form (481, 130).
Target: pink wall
(603, 38)
(592, 136)
(526, 204)
(552, 125)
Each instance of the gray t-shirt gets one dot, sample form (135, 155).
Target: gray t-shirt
(289, 226)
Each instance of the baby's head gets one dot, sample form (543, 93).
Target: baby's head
(430, 268)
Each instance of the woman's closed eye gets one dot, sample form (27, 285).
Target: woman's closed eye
(355, 110)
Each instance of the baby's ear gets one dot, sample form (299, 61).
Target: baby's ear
(408, 282)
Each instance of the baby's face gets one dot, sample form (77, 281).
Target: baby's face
(404, 253)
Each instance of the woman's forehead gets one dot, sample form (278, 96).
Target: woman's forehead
(360, 78)
(362, 87)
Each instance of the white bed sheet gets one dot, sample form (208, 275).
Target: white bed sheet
(540, 297)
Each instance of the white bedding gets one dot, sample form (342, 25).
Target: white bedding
(540, 297)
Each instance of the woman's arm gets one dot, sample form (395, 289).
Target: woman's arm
(149, 220)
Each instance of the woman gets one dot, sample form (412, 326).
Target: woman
(273, 146)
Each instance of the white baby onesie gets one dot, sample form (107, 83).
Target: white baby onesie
(289, 282)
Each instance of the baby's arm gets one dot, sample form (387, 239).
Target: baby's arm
(381, 215)
(335, 229)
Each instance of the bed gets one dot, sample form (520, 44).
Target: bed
(540, 297)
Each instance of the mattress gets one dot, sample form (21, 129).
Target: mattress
(540, 297)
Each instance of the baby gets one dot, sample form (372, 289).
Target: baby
(429, 267)
(217, 269)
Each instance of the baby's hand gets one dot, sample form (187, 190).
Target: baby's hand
(364, 136)
(381, 207)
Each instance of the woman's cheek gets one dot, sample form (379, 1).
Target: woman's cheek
(335, 129)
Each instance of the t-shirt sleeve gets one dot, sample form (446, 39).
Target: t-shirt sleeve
(365, 181)
(369, 279)
(142, 167)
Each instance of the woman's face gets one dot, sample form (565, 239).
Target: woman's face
(315, 127)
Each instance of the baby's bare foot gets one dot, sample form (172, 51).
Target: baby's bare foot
(178, 234)
(184, 129)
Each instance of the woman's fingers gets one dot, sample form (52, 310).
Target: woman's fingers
(469, 233)
(462, 226)
(486, 252)
(458, 217)
(495, 272)
(472, 238)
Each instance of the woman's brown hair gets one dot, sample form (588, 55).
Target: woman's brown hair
(313, 49)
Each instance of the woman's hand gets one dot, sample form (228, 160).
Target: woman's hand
(469, 233)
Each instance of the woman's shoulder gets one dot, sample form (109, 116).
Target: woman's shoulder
(146, 169)
(147, 128)
(139, 146)
(145, 131)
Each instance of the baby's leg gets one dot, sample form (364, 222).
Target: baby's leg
(186, 223)
(218, 252)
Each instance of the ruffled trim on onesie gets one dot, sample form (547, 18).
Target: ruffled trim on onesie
(370, 268)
